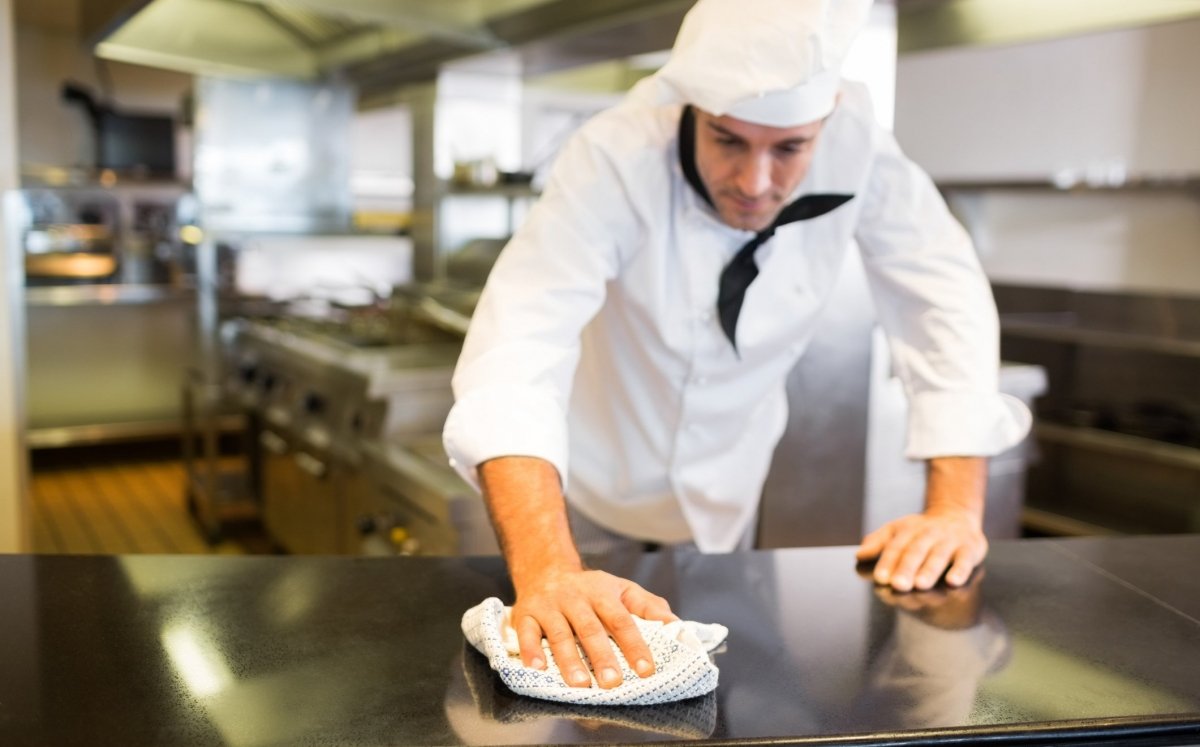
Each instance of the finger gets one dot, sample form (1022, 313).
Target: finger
(629, 639)
(561, 638)
(529, 635)
(890, 556)
(874, 543)
(593, 637)
(646, 605)
(905, 569)
(936, 562)
(965, 561)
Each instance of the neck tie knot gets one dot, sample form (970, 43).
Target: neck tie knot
(742, 269)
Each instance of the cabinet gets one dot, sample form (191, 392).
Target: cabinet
(1119, 428)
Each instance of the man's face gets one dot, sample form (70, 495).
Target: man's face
(750, 170)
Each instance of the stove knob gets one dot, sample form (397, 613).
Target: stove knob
(366, 524)
(314, 404)
(405, 543)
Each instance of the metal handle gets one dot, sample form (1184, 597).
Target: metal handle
(311, 464)
(272, 443)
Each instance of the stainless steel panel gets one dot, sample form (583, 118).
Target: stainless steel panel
(107, 364)
(814, 494)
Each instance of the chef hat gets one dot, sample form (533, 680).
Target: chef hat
(771, 62)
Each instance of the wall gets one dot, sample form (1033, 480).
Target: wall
(1098, 108)
(14, 505)
(55, 134)
(1138, 241)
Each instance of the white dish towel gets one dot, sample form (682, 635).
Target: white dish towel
(681, 656)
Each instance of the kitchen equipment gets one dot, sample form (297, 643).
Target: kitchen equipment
(409, 501)
(327, 416)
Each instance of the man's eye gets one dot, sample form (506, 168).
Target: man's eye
(727, 141)
(790, 149)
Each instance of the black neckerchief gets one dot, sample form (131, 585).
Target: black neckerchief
(742, 269)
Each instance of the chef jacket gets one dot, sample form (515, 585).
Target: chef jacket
(596, 345)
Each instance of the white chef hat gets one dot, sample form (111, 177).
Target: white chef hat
(771, 62)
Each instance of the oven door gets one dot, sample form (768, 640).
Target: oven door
(403, 504)
(300, 495)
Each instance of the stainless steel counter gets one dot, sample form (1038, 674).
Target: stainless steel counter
(1070, 641)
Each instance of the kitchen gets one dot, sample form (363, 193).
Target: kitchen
(1056, 214)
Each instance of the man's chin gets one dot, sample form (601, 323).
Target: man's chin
(746, 222)
(743, 220)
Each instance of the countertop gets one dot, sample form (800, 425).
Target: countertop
(1086, 640)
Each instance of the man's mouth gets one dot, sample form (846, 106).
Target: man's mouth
(749, 205)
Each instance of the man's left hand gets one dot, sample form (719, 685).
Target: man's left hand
(914, 551)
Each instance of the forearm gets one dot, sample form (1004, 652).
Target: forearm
(525, 500)
(956, 485)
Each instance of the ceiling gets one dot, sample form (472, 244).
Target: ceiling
(383, 45)
(380, 44)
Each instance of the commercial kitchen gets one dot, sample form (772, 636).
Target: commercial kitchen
(243, 241)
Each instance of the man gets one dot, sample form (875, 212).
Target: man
(650, 308)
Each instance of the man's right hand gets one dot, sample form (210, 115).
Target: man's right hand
(557, 598)
(591, 606)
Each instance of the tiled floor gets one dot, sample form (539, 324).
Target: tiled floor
(120, 501)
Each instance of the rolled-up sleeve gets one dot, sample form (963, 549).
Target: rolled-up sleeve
(937, 310)
(513, 380)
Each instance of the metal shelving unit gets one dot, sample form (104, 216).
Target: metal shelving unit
(1118, 427)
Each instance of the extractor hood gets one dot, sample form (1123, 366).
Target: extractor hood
(379, 44)
(932, 24)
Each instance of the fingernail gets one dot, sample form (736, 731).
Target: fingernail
(899, 583)
(882, 577)
(609, 676)
(579, 677)
(924, 582)
(537, 662)
(643, 667)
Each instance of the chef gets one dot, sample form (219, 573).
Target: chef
(623, 380)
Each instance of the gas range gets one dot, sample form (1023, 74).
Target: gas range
(323, 410)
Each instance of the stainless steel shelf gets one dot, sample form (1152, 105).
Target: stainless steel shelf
(1120, 444)
(79, 435)
(1101, 338)
(1189, 183)
(511, 191)
(1061, 525)
(105, 295)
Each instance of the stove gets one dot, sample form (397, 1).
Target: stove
(327, 414)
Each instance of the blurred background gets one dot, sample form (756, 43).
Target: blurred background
(243, 239)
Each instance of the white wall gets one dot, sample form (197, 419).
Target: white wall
(381, 159)
(1138, 241)
(1079, 109)
(1124, 99)
(15, 517)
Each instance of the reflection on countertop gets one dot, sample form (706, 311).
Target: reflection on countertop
(1053, 639)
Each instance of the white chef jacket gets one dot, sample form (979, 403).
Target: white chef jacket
(596, 337)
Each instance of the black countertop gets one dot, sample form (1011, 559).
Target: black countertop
(1054, 641)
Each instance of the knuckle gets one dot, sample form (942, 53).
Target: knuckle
(590, 630)
(622, 625)
(557, 636)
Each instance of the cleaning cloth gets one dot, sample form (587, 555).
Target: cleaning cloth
(680, 649)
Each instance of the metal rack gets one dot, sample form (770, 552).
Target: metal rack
(217, 492)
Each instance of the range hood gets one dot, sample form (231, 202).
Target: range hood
(379, 44)
(933, 24)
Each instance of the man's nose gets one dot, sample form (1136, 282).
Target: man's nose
(754, 177)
